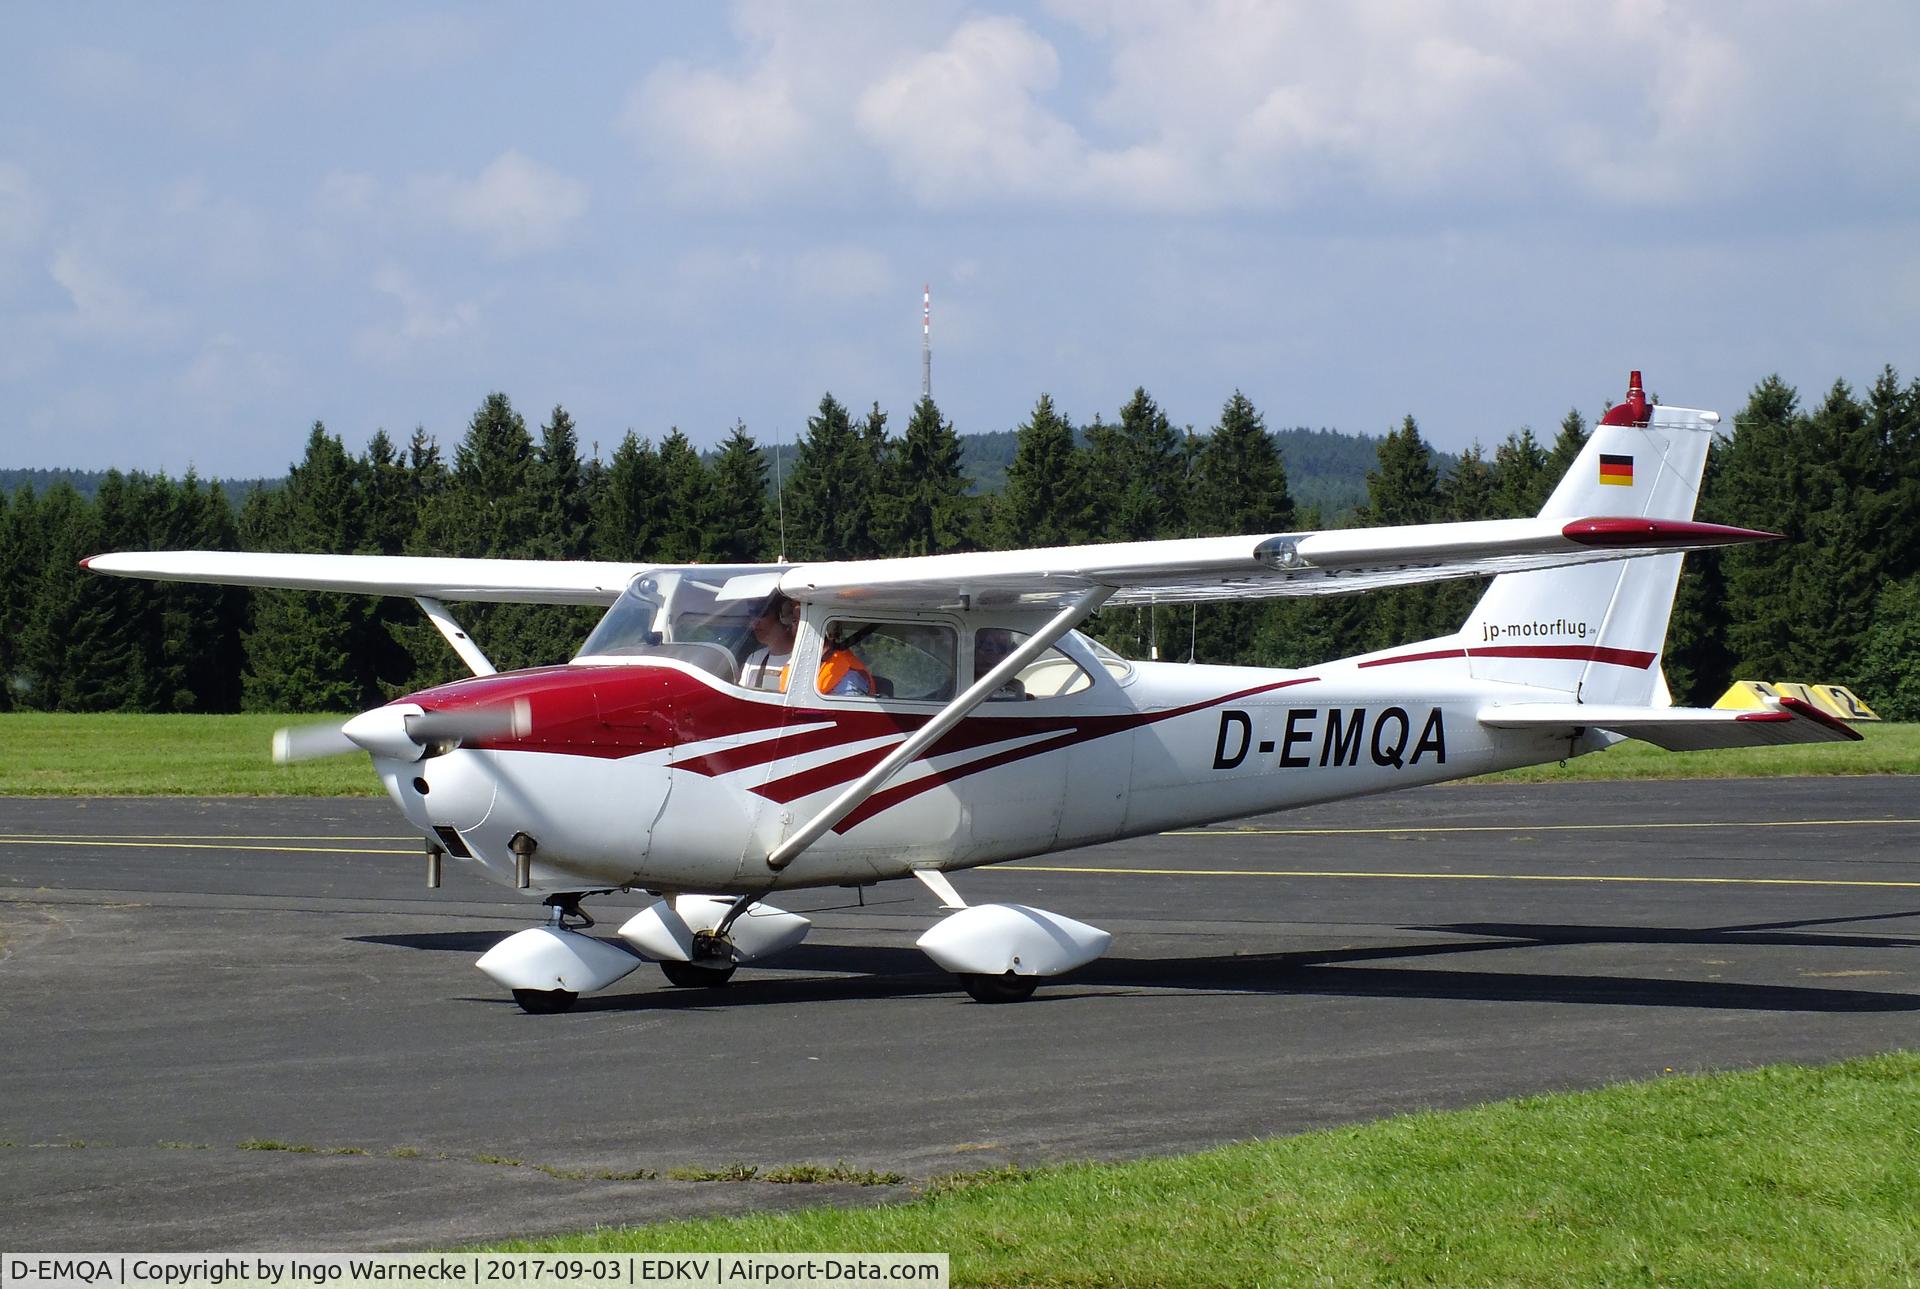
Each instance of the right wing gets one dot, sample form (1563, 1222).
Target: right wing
(1330, 562)
(519, 581)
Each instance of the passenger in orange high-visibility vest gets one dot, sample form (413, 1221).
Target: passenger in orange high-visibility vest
(841, 671)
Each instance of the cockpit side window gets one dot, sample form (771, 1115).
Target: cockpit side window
(904, 660)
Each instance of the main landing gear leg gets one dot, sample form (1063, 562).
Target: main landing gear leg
(713, 964)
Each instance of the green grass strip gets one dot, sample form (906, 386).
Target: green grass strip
(115, 754)
(1780, 1176)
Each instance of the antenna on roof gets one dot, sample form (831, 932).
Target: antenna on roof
(780, 493)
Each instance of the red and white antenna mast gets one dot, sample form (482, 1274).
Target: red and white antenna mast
(926, 341)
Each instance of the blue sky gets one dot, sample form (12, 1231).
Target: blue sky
(221, 223)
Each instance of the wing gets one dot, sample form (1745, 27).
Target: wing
(1680, 729)
(1333, 562)
(524, 581)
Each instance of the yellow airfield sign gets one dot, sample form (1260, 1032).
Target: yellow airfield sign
(1835, 700)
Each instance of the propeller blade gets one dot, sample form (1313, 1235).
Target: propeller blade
(507, 720)
(310, 743)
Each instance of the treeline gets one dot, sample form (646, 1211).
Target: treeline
(1839, 601)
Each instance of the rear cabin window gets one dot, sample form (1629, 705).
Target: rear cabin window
(900, 660)
(1052, 675)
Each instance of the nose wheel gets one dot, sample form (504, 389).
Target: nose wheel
(545, 1002)
(1007, 988)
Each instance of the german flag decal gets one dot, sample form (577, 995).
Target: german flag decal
(1615, 469)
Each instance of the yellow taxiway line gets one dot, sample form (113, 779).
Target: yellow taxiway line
(1437, 877)
(144, 844)
(1607, 827)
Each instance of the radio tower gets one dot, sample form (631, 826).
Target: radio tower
(926, 341)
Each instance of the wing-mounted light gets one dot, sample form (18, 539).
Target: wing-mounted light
(1282, 553)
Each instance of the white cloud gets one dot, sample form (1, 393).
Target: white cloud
(23, 208)
(227, 374)
(422, 321)
(965, 119)
(517, 204)
(1238, 106)
(104, 305)
(845, 272)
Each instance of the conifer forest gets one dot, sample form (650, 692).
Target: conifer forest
(1838, 601)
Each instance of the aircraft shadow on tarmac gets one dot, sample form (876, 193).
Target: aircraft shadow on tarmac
(889, 972)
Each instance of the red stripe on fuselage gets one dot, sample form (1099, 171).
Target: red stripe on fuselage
(1634, 658)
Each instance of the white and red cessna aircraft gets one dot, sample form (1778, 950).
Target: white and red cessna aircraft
(729, 732)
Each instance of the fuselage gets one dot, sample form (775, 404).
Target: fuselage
(655, 774)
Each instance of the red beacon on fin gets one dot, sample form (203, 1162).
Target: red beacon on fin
(1635, 411)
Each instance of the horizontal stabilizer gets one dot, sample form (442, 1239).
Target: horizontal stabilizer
(1679, 729)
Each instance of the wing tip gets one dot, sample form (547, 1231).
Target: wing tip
(1808, 711)
(1675, 533)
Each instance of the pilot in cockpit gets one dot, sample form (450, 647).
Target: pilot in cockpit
(767, 666)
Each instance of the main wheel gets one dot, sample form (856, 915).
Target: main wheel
(998, 989)
(545, 1002)
(693, 976)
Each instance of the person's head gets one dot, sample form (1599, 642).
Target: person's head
(774, 627)
(990, 645)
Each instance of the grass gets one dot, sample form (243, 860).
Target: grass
(1887, 749)
(119, 754)
(129, 755)
(1785, 1175)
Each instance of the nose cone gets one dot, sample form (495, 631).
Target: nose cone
(383, 732)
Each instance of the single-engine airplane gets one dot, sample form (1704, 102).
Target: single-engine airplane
(729, 732)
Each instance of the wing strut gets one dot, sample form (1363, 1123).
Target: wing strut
(456, 636)
(947, 717)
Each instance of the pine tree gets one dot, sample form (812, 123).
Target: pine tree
(1045, 501)
(68, 533)
(17, 521)
(1150, 502)
(736, 530)
(304, 648)
(1567, 446)
(1405, 489)
(630, 521)
(686, 492)
(1887, 671)
(935, 512)
(829, 492)
(1520, 473)
(558, 479)
(1764, 484)
(1238, 485)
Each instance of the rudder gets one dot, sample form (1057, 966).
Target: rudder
(1596, 631)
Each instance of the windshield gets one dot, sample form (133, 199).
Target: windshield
(703, 616)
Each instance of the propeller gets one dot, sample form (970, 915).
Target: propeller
(404, 731)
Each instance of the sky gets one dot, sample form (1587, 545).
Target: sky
(221, 223)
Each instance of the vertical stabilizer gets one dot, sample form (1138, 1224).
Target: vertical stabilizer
(1596, 631)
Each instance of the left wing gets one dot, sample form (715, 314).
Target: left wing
(519, 581)
(1332, 562)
